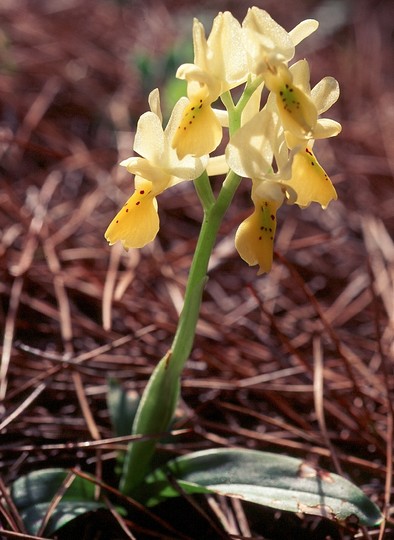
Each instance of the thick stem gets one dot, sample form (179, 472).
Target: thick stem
(184, 337)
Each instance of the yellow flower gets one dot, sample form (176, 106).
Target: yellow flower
(158, 169)
(199, 131)
(251, 153)
(220, 64)
(270, 48)
(267, 43)
(309, 179)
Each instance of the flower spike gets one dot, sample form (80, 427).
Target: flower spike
(270, 143)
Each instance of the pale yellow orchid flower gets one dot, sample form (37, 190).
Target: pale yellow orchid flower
(269, 44)
(158, 169)
(309, 179)
(220, 64)
(270, 47)
(252, 153)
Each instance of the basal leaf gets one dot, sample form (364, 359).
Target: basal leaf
(122, 406)
(264, 478)
(33, 493)
(32, 516)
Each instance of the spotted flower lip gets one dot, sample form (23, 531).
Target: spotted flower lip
(309, 180)
(156, 169)
(323, 95)
(297, 111)
(137, 223)
(254, 239)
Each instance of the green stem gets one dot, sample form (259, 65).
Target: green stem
(184, 337)
(204, 191)
(250, 87)
(235, 111)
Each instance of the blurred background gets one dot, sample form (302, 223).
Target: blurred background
(74, 79)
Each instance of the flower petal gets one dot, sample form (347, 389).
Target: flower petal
(250, 151)
(137, 223)
(325, 128)
(149, 137)
(303, 30)
(144, 168)
(227, 55)
(310, 180)
(200, 84)
(200, 45)
(254, 239)
(265, 37)
(217, 165)
(253, 105)
(325, 94)
(301, 75)
(154, 104)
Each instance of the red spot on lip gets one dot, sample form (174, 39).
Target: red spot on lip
(142, 192)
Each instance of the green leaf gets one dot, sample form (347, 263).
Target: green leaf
(264, 478)
(33, 493)
(122, 406)
(63, 513)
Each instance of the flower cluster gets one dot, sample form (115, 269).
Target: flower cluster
(271, 144)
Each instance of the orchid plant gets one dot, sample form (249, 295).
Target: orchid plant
(270, 142)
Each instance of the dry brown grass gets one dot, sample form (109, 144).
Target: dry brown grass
(299, 361)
